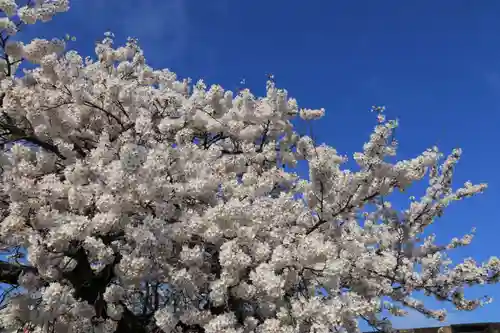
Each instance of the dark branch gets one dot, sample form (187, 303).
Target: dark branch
(9, 273)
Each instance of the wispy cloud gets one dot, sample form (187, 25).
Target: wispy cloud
(160, 26)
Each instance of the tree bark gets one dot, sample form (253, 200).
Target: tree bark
(88, 286)
(9, 273)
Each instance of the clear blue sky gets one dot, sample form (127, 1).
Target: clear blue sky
(434, 64)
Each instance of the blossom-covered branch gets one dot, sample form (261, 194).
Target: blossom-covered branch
(153, 204)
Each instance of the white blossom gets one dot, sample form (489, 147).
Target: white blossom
(8, 7)
(7, 25)
(148, 202)
(165, 319)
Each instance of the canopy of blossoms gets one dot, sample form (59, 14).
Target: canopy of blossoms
(156, 205)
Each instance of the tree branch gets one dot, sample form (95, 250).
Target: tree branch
(9, 273)
(344, 209)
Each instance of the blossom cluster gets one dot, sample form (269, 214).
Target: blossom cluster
(174, 204)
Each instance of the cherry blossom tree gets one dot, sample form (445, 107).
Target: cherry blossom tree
(152, 204)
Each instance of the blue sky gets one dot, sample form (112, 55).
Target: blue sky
(435, 65)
